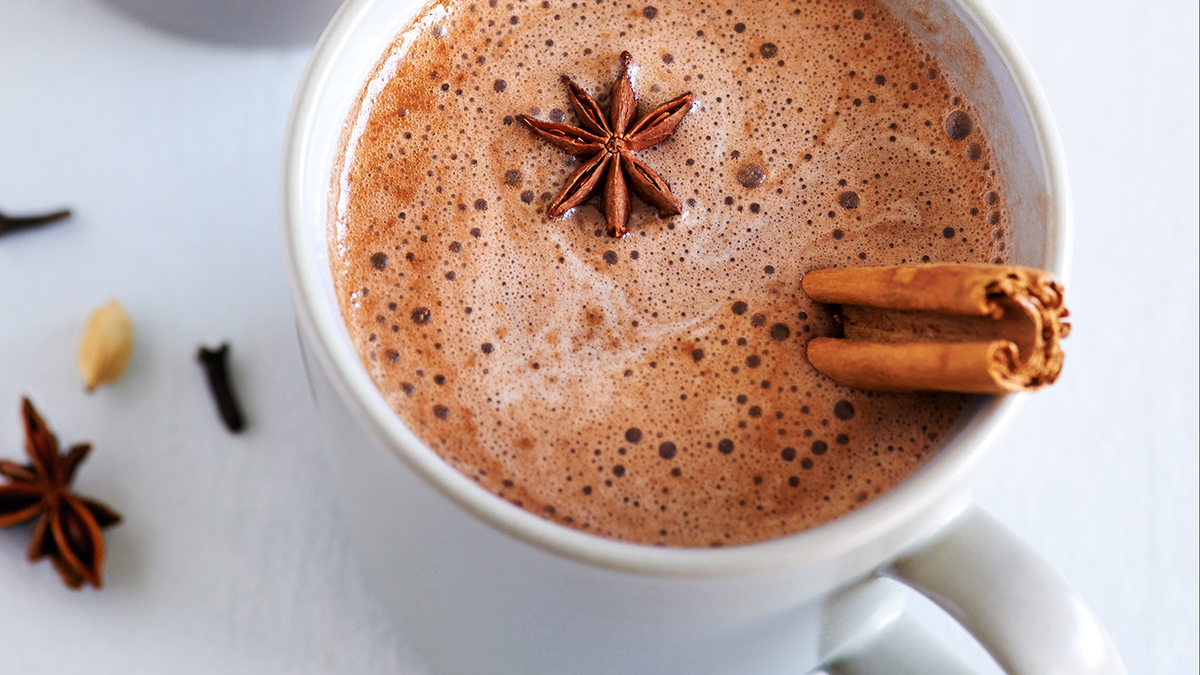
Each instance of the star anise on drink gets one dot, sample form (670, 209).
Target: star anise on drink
(69, 525)
(608, 150)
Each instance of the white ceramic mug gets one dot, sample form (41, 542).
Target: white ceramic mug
(250, 23)
(482, 586)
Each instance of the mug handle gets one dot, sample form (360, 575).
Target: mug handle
(1019, 608)
(902, 646)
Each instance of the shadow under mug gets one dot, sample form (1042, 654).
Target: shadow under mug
(480, 585)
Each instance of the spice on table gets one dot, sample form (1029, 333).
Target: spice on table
(608, 150)
(970, 328)
(216, 366)
(70, 526)
(14, 223)
(106, 345)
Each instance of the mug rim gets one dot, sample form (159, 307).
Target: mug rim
(919, 493)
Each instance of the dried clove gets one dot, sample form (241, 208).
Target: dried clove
(14, 224)
(216, 366)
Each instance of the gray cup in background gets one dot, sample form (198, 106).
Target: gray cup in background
(250, 23)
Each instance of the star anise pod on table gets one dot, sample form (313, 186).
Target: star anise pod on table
(608, 146)
(69, 525)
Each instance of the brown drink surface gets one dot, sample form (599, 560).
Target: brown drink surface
(654, 388)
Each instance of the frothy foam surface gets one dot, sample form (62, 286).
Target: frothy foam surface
(653, 389)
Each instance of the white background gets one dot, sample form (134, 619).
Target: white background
(234, 558)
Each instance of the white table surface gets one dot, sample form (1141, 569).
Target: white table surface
(234, 558)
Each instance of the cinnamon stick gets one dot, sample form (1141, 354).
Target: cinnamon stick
(970, 328)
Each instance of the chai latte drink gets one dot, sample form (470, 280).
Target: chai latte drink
(653, 388)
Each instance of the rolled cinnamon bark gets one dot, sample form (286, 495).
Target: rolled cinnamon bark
(970, 328)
